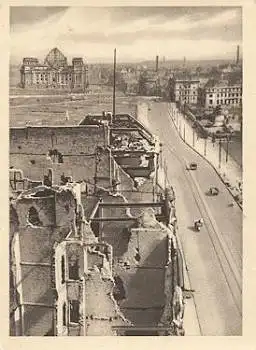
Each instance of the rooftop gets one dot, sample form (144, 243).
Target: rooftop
(185, 77)
(220, 83)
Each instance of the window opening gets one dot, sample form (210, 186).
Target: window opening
(33, 217)
(74, 311)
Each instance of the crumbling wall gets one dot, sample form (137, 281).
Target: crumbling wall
(98, 310)
(79, 167)
(38, 229)
(66, 207)
(174, 308)
(141, 266)
(104, 168)
(144, 191)
(31, 150)
(126, 183)
(115, 232)
(133, 161)
(88, 202)
(45, 208)
(101, 309)
(31, 263)
(61, 288)
(67, 139)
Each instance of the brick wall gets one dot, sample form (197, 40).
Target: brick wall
(33, 254)
(126, 183)
(79, 167)
(44, 206)
(68, 140)
(115, 233)
(38, 320)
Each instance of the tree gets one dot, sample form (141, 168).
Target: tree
(142, 84)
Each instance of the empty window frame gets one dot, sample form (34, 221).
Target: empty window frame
(73, 269)
(74, 311)
(62, 269)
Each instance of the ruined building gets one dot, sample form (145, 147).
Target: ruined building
(94, 246)
(54, 72)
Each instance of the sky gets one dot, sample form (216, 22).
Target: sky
(138, 33)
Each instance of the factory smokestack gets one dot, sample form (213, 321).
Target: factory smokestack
(237, 54)
(156, 63)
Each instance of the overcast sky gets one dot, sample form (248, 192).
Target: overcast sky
(138, 33)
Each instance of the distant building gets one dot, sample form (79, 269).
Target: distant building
(184, 89)
(149, 84)
(222, 93)
(54, 72)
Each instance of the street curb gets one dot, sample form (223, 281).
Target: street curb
(187, 285)
(202, 156)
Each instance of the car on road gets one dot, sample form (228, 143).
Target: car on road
(214, 191)
(192, 166)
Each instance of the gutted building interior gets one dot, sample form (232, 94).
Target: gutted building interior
(93, 233)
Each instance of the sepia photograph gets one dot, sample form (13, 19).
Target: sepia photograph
(125, 171)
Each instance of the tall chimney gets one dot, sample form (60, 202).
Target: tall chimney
(156, 63)
(237, 54)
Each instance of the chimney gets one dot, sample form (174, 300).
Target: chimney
(237, 54)
(156, 63)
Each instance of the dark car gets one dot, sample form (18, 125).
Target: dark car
(192, 166)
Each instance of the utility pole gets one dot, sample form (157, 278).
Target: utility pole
(219, 153)
(193, 137)
(110, 169)
(165, 174)
(227, 149)
(114, 89)
(205, 144)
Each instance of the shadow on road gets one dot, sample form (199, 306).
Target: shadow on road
(192, 228)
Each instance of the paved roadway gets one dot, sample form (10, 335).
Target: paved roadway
(214, 255)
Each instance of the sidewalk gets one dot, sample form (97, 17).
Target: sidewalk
(227, 168)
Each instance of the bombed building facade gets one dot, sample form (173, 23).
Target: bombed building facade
(54, 72)
(94, 246)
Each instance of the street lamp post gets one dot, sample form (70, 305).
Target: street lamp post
(165, 174)
(205, 144)
(219, 153)
(227, 148)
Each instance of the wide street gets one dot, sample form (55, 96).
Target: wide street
(213, 255)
